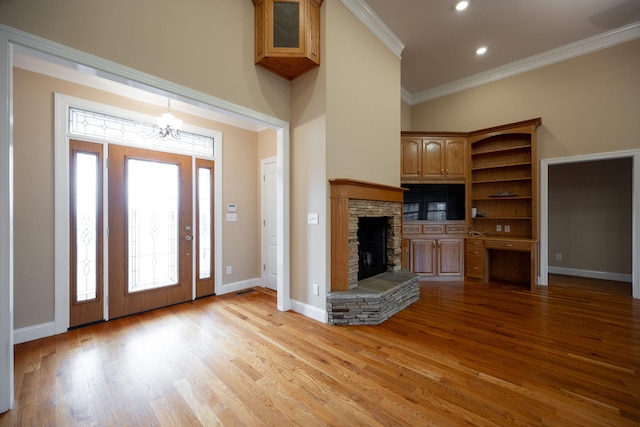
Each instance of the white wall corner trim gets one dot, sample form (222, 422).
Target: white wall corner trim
(368, 17)
(311, 311)
(6, 225)
(562, 53)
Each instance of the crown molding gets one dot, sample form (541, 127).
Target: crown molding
(368, 17)
(562, 53)
(406, 96)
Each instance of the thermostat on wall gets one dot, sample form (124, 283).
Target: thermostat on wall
(232, 207)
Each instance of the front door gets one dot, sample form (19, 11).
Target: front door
(149, 229)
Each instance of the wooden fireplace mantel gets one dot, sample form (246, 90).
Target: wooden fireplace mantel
(341, 191)
(342, 188)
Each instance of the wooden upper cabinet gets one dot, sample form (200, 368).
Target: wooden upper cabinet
(433, 159)
(411, 158)
(287, 36)
(455, 155)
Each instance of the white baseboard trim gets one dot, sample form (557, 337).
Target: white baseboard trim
(618, 277)
(311, 311)
(238, 286)
(34, 332)
(48, 329)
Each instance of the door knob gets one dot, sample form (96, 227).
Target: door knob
(187, 238)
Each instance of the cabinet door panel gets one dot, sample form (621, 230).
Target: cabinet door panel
(411, 152)
(454, 162)
(423, 257)
(450, 260)
(433, 159)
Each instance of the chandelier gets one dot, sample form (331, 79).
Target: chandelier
(168, 124)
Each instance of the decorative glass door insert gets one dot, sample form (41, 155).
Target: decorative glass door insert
(86, 239)
(204, 218)
(152, 229)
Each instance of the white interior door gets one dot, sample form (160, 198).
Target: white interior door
(269, 169)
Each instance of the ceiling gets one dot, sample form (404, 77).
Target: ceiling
(440, 43)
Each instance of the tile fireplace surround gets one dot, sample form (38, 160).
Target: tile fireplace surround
(375, 299)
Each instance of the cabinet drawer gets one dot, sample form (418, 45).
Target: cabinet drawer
(474, 252)
(412, 229)
(474, 268)
(433, 229)
(455, 229)
(473, 243)
(510, 245)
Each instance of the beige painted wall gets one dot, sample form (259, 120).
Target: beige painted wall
(363, 109)
(346, 122)
(34, 191)
(405, 116)
(590, 214)
(308, 182)
(588, 104)
(267, 144)
(206, 45)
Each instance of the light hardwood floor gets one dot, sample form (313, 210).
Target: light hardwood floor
(465, 354)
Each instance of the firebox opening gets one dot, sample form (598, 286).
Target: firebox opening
(372, 246)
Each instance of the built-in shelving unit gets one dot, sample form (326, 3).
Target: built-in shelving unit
(502, 186)
(499, 174)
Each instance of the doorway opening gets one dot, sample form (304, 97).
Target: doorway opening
(599, 210)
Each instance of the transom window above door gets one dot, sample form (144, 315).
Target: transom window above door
(130, 132)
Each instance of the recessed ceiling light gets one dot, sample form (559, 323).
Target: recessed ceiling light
(481, 50)
(462, 5)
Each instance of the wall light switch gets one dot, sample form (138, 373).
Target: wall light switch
(232, 217)
(312, 218)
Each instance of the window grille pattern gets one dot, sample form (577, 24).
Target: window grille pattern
(117, 129)
(152, 204)
(204, 204)
(86, 208)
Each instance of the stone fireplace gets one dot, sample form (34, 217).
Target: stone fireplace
(366, 229)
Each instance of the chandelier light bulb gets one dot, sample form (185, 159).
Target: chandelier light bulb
(462, 5)
(168, 124)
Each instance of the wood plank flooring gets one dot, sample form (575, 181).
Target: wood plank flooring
(465, 354)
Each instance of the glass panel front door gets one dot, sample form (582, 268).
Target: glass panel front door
(150, 230)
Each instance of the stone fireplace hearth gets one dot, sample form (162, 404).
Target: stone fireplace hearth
(373, 299)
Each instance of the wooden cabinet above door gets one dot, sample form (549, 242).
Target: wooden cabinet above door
(432, 158)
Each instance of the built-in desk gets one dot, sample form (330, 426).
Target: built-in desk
(498, 258)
